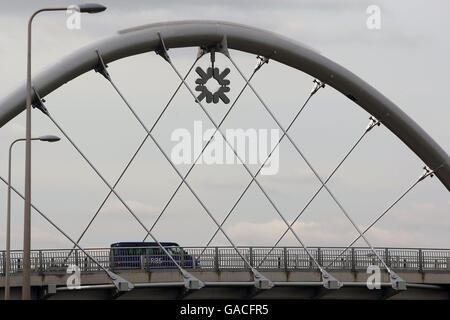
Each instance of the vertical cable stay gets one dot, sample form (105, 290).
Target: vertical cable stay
(190, 281)
(427, 173)
(260, 280)
(373, 122)
(329, 281)
(101, 68)
(261, 62)
(316, 87)
(395, 279)
(120, 283)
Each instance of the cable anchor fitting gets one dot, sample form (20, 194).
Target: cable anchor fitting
(121, 284)
(261, 61)
(38, 103)
(373, 122)
(221, 47)
(162, 49)
(191, 282)
(261, 282)
(317, 85)
(101, 67)
(427, 172)
(397, 282)
(330, 282)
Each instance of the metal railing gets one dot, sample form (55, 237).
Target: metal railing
(226, 258)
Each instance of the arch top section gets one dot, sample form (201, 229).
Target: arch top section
(179, 34)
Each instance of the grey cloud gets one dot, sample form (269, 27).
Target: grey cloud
(406, 60)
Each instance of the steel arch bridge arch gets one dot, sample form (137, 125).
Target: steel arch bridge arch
(195, 33)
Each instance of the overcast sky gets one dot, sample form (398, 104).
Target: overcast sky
(407, 60)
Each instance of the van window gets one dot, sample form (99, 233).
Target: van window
(174, 250)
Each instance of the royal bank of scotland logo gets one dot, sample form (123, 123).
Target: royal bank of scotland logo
(211, 75)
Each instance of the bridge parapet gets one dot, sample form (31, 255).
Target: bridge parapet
(226, 259)
(224, 275)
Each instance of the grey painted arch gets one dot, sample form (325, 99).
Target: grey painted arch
(244, 38)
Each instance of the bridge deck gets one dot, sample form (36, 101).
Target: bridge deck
(426, 271)
(225, 258)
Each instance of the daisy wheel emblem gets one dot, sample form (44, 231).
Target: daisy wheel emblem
(212, 74)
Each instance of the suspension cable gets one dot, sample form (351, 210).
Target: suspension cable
(102, 70)
(114, 277)
(40, 105)
(317, 86)
(427, 173)
(258, 66)
(257, 275)
(165, 55)
(312, 169)
(373, 122)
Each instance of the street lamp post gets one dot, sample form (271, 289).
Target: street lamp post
(48, 138)
(26, 290)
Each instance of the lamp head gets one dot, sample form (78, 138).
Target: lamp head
(91, 8)
(49, 138)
